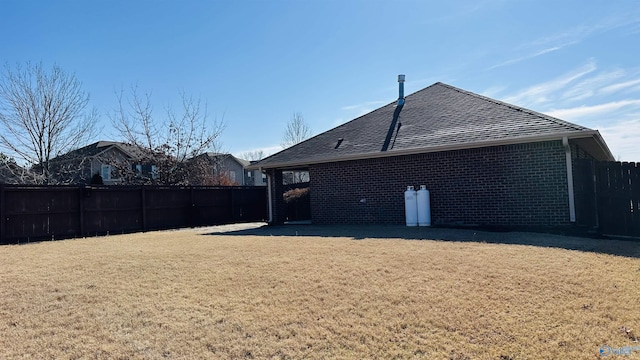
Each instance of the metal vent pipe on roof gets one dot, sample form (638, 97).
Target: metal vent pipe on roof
(396, 113)
(400, 89)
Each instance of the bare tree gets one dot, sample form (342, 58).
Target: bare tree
(42, 115)
(12, 173)
(171, 144)
(252, 155)
(296, 131)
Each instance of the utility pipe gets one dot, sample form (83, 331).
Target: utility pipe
(572, 201)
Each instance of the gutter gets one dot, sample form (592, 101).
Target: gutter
(381, 154)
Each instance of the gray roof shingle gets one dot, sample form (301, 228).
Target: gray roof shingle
(435, 118)
(98, 148)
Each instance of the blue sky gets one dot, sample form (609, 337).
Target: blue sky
(258, 62)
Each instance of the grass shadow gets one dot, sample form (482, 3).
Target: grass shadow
(627, 248)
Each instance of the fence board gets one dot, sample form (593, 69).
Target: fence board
(618, 193)
(35, 213)
(585, 193)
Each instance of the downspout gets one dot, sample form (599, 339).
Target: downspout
(269, 202)
(572, 201)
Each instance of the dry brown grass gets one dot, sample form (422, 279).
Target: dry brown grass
(180, 294)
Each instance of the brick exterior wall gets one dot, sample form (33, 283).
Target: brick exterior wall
(513, 185)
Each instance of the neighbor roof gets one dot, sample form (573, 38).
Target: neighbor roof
(437, 118)
(98, 148)
(223, 156)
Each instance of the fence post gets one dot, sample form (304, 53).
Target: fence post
(594, 179)
(3, 220)
(144, 208)
(82, 192)
(234, 213)
(193, 222)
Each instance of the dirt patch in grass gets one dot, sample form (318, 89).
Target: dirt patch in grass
(235, 292)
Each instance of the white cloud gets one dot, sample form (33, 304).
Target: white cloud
(617, 121)
(493, 91)
(363, 108)
(568, 37)
(572, 114)
(622, 142)
(621, 86)
(548, 44)
(463, 10)
(541, 93)
(526, 57)
(591, 86)
(592, 98)
(338, 122)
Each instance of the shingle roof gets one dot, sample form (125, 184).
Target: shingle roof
(439, 117)
(98, 148)
(223, 156)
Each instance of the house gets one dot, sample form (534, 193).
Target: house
(256, 177)
(108, 161)
(485, 162)
(228, 169)
(113, 163)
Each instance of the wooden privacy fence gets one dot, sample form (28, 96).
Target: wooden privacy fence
(52, 212)
(608, 197)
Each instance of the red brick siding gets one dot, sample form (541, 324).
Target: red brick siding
(514, 185)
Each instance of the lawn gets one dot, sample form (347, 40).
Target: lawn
(191, 294)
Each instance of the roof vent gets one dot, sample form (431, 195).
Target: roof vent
(396, 114)
(339, 142)
(400, 89)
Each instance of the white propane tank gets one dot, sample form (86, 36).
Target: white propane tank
(411, 206)
(424, 207)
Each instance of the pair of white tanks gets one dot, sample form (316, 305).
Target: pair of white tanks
(417, 207)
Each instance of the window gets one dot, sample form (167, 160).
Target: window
(295, 177)
(264, 178)
(139, 169)
(232, 176)
(105, 172)
(154, 172)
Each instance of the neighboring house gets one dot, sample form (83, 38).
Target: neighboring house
(120, 163)
(485, 162)
(106, 159)
(228, 169)
(256, 177)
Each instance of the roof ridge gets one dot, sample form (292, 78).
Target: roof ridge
(514, 107)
